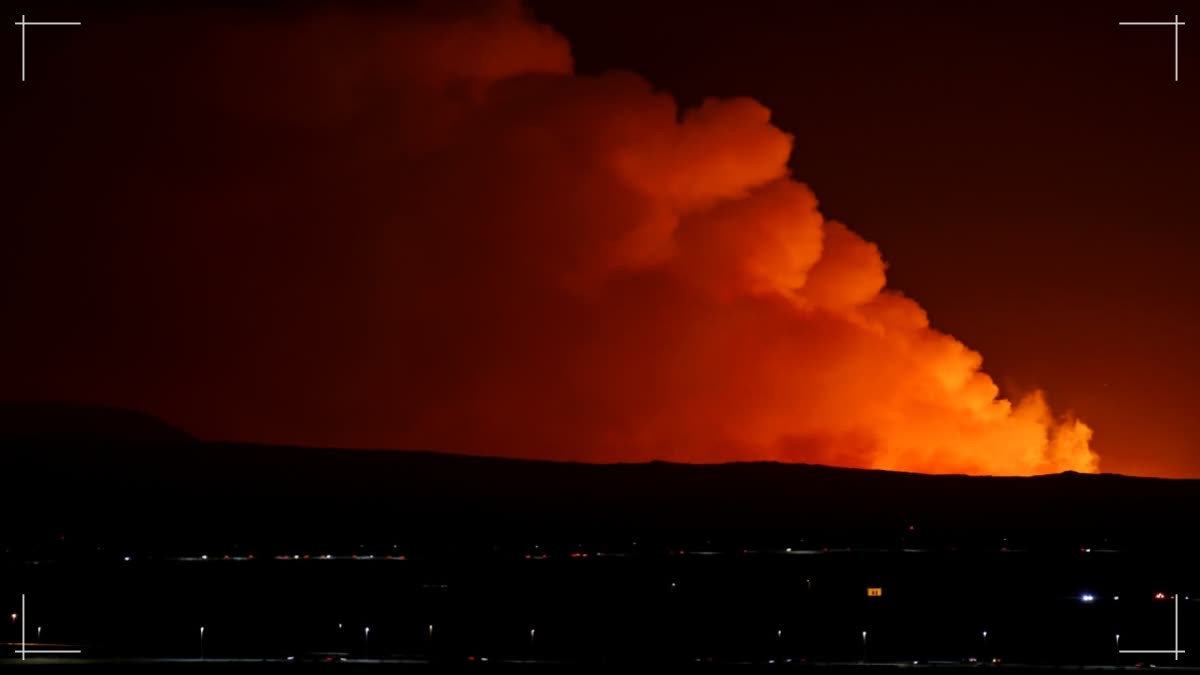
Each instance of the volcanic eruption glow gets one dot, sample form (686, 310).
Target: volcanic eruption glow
(451, 241)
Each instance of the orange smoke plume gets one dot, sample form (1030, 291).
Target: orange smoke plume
(448, 240)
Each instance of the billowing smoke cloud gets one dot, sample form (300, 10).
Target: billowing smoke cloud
(424, 231)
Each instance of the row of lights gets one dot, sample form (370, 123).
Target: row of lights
(1089, 598)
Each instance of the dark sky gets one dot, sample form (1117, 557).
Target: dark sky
(1026, 168)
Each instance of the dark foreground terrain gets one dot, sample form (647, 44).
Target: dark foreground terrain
(156, 485)
(270, 667)
(127, 544)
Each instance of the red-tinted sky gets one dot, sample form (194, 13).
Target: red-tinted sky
(1024, 170)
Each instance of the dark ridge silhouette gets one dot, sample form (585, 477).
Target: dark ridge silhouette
(62, 421)
(176, 488)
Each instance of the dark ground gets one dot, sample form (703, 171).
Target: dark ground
(126, 545)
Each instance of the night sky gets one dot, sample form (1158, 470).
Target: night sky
(306, 227)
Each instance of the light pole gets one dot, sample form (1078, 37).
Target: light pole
(1118, 640)
(532, 631)
(39, 633)
(864, 637)
(366, 641)
(984, 642)
(201, 643)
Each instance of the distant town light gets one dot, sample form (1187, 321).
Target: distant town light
(1087, 597)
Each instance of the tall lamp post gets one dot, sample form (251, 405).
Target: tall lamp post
(366, 641)
(864, 640)
(201, 643)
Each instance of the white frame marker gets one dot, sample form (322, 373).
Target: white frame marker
(1176, 23)
(1176, 651)
(24, 646)
(23, 23)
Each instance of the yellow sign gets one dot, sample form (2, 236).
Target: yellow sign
(874, 592)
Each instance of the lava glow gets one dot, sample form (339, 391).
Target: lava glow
(451, 241)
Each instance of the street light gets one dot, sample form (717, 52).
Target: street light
(531, 634)
(201, 643)
(864, 638)
(366, 640)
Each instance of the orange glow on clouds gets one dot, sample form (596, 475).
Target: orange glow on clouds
(460, 245)
(653, 284)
